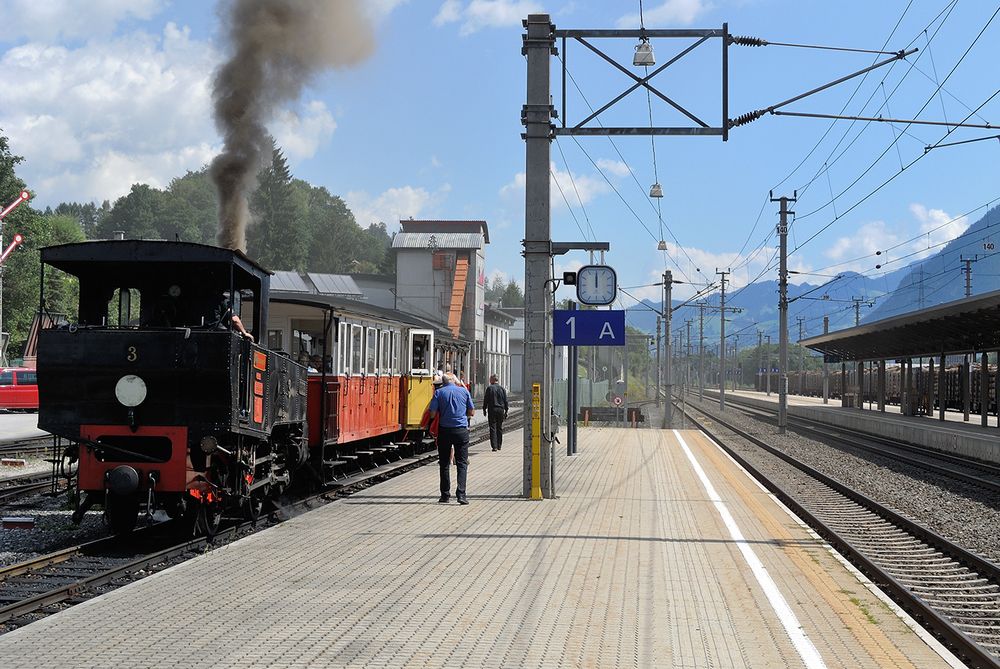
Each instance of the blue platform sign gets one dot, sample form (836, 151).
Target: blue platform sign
(588, 328)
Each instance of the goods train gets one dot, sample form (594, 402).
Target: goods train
(170, 400)
(923, 385)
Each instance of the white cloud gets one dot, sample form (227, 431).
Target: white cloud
(300, 134)
(91, 120)
(394, 204)
(378, 10)
(586, 187)
(479, 14)
(51, 20)
(671, 12)
(936, 228)
(615, 167)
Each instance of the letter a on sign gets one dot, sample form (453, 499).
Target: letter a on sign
(607, 330)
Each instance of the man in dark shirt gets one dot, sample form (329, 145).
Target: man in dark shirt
(455, 405)
(495, 407)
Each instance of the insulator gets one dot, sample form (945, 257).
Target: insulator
(743, 119)
(744, 40)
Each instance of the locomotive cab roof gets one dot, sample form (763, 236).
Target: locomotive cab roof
(181, 278)
(142, 256)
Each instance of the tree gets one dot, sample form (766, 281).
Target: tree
(140, 215)
(277, 237)
(513, 296)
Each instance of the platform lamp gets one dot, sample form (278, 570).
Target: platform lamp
(643, 53)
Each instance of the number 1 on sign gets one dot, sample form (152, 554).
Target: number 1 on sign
(571, 322)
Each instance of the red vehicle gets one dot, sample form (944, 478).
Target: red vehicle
(18, 388)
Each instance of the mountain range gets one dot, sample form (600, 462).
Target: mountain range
(929, 281)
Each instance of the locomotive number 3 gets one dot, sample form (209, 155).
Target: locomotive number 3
(133, 355)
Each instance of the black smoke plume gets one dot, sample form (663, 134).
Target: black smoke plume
(277, 47)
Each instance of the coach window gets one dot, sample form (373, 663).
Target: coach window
(343, 348)
(421, 352)
(385, 362)
(371, 358)
(395, 353)
(357, 349)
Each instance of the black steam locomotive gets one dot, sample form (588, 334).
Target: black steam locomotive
(168, 404)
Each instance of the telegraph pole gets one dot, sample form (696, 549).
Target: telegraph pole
(668, 407)
(722, 340)
(826, 366)
(659, 370)
(968, 273)
(783, 312)
(768, 337)
(802, 360)
(701, 350)
(760, 359)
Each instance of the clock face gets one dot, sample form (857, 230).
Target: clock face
(596, 284)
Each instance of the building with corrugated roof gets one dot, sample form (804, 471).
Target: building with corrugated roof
(441, 276)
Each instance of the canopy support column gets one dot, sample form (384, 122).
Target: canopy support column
(881, 386)
(941, 390)
(932, 392)
(984, 390)
(966, 386)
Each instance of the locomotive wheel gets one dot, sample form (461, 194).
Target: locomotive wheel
(207, 520)
(252, 508)
(121, 512)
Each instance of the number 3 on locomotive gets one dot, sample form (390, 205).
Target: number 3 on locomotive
(133, 355)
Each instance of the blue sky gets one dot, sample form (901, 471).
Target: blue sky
(104, 94)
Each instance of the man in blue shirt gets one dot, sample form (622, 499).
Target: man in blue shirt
(455, 405)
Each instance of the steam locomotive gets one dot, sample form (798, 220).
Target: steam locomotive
(169, 401)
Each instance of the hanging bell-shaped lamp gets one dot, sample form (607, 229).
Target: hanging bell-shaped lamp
(655, 190)
(643, 54)
(662, 246)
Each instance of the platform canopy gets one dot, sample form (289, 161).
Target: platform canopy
(962, 326)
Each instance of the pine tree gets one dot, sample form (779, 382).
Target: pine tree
(278, 237)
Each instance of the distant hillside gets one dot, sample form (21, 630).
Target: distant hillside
(940, 278)
(759, 302)
(934, 280)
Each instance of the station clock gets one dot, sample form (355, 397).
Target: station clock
(596, 285)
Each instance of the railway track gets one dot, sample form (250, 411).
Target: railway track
(42, 586)
(973, 472)
(952, 592)
(22, 448)
(23, 487)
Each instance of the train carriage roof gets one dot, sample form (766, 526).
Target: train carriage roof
(962, 326)
(82, 257)
(351, 307)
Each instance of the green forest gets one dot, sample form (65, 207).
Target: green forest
(296, 226)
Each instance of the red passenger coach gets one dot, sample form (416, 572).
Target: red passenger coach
(369, 374)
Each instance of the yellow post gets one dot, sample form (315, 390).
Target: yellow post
(536, 441)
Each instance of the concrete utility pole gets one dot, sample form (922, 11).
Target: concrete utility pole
(858, 301)
(537, 115)
(826, 366)
(783, 312)
(687, 363)
(768, 368)
(802, 358)
(659, 370)
(701, 350)
(722, 340)
(760, 359)
(668, 407)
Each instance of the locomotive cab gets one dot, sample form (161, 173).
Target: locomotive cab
(168, 402)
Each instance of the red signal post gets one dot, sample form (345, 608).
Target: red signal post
(23, 197)
(18, 239)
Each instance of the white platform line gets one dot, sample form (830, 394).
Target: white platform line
(805, 648)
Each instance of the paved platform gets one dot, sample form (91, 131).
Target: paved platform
(951, 436)
(15, 426)
(660, 552)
